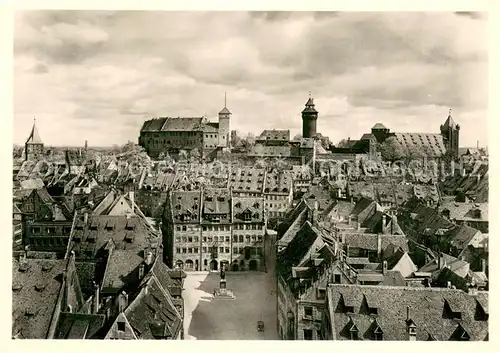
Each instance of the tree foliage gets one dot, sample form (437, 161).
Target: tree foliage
(391, 149)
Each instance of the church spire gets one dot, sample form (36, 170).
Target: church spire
(34, 137)
(224, 110)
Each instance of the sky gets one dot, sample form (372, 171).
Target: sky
(97, 75)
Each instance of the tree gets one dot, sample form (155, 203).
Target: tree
(342, 144)
(391, 149)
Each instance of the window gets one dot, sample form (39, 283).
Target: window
(319, 335)
(204, 239)
(184, 228)
(227, 249)
(183, 250)
(204, 228)
(227, 239)
(204, 249)
(235, 250)
(196, 250)
(121, 326)
(378, 334)
(308, 312)
(190, 250)
(308, 335)
(190, 239)
(221, 249)
(337, 278)
(178, 250)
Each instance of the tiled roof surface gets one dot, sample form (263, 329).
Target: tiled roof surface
(216, 201)
(183, 124)
(186, 206)
(369, 241)
(121, 270)
(87, 274)
(248, 179)
(432, 142)
(127, 233)
(271, 151)
(297, 248)
(35, 290)
(254, 206)
(152, 314)
(426, 307)
(32, 184)
(462, 235)
(153, 124)
(278, 182)
(34, 137)
(466, 211)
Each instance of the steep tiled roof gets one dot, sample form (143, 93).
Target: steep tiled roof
(122, 270)
(152, 313)
(36, 285)
(225, 111)
(153, 124)
(247, 179)
(186, 206)
(432, 142)
(462, 235)
(34, 137)
(297, 248)
(183, 124)
(278, 182)
(465, 211)
(370, 241)
(425, 307)
(126, 233)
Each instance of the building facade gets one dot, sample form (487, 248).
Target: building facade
(167, 134)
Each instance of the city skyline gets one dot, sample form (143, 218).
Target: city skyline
(84, 74)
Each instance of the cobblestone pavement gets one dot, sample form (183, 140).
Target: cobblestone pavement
(207, 318)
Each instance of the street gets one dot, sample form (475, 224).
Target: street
(225, 319)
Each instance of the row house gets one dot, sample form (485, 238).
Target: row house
(46, 224)
(278, 193)
(387, 313)
(213, 228)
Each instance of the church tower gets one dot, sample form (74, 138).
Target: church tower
(451, 133)
(309, 117)
(224, 125)
(33, 148)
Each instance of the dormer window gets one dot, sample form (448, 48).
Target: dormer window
(378, 334)
(354, 332)
(451, 312)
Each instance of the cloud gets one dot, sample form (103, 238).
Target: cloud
(97, 72)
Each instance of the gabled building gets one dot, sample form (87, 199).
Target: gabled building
(382, 313)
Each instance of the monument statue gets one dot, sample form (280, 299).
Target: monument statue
(222, 272)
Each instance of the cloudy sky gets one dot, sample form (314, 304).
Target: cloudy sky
(96, 76)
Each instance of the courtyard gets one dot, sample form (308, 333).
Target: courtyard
(207, 318)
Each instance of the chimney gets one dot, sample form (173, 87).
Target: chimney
(384, 222)
(149, 258)
(131, 197)
(85, 218)
(408, 313)
(483, 265)
(141, 271)
(448, 285)
(95, 303)
(379, 245)
(384, 267)
(122, 301)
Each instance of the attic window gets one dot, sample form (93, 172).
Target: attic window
(221, 199)
(41, 286)
(209, 199)
(110, 225)
(238, 204)
(378, 334)
(256, 205)
(178, 207)
(94, 225)
(25, 266)
(129, 238)
(121, 326)
(130, 226)
(91, 238)
(449, 313)
(16, 287)
(354, 332)
(30, 312)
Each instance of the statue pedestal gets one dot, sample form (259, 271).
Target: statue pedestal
(222, 292)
